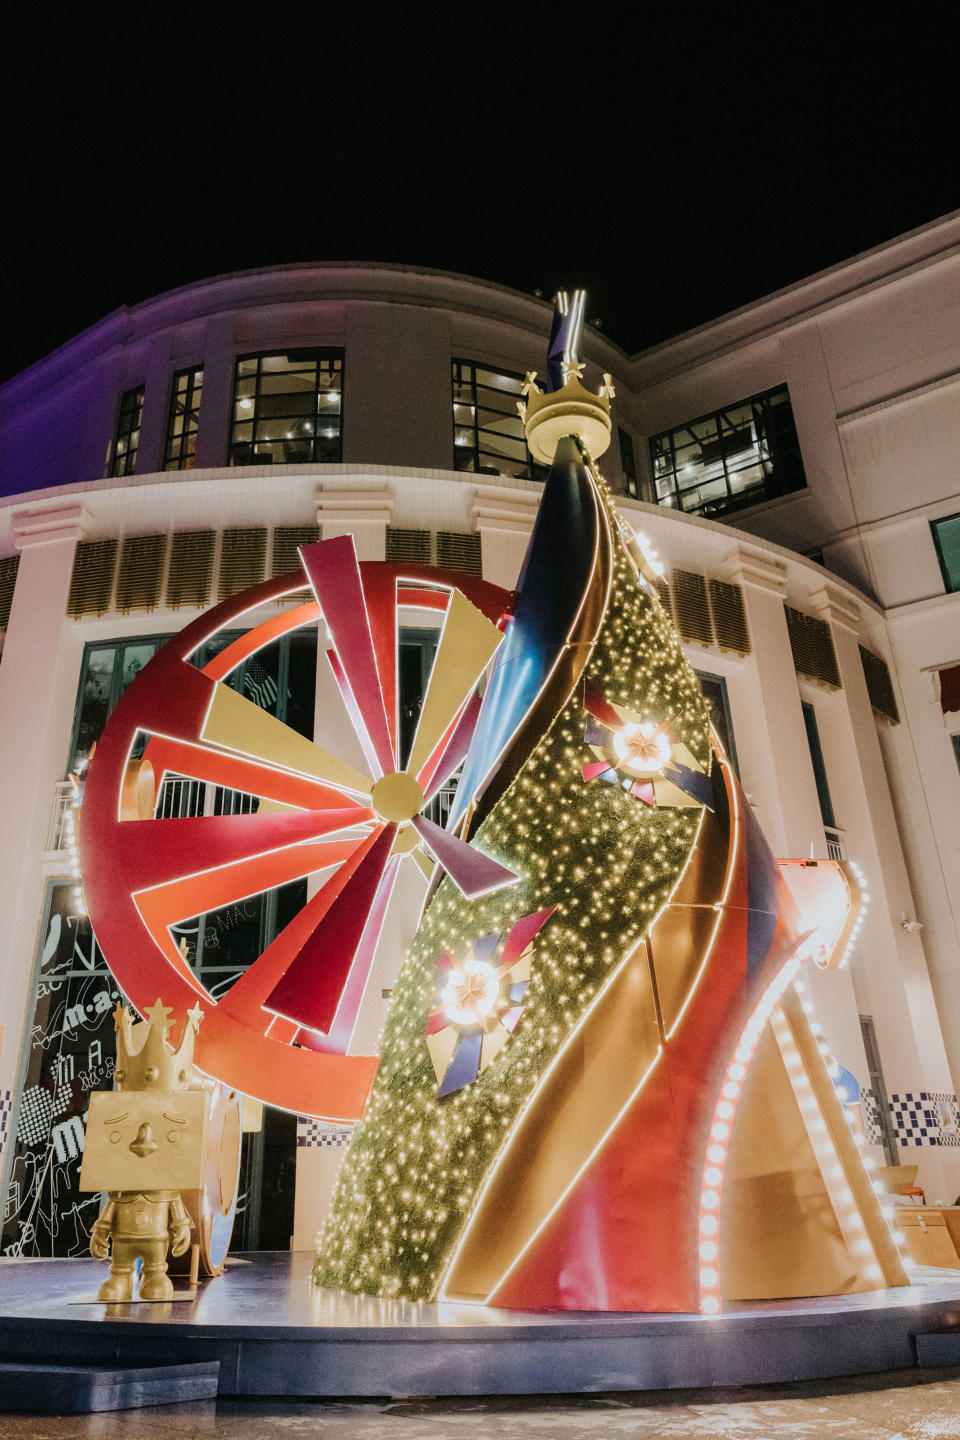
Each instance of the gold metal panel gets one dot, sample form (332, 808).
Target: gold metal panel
(690, 606)
(467, 645)
(174, 1121)
(457, 551)
(91, 583)
(8, 580)
(237, 724)
(595, 1077)
(729, 617)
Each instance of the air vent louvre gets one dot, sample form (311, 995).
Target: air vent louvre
(8, 579)
(729, 617)
(456, 551)
(91, 584)
(409, 546)
(691, 608)
(812, 644)
(140, 574)
(191, 568)
(879, 685)
(243, 554)
(286, 539)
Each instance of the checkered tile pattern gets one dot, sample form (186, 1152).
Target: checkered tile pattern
(871, 1117)
(317, 1133)
(6, 1106)
(921, 1117)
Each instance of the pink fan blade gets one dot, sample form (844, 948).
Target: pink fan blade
(593, 768)
(521, 935)
(310, 990)
(453, 752)
(332, 569)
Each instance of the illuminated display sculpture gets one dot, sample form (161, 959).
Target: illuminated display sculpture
(631, 1111)
(658, 1130)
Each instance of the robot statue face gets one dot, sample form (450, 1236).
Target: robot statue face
(144, 1140)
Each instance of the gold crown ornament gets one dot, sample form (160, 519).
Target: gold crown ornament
(572, 410)
(144, 1059)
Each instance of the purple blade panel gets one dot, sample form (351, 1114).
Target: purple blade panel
(472, 872)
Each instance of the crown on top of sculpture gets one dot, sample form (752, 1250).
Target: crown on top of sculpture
(566, 407)
(144, 1060)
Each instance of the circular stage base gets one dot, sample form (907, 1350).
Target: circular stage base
(274, 1333)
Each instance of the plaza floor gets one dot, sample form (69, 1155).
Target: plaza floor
(897, 1406)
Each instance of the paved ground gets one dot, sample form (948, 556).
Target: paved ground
(901, 1406)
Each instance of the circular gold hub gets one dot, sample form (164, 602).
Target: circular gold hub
(397, 797)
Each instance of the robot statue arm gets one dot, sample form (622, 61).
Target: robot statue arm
(180, 1227)
(102, 1226)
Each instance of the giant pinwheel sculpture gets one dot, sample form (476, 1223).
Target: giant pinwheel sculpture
(282, 1031)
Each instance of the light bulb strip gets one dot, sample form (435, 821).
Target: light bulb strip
(721, 1129)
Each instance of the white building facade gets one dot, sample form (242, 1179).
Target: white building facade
(179, 450)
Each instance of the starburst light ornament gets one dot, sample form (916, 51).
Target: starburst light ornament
(641, 755)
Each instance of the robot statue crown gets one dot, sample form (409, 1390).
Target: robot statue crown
(144, 1060)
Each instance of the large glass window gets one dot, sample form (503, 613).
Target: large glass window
(123, 452)
(287, 408)
(714, 689)
(946, 537)
(488, 435)
(729, 459)
(183, 418)
(628, 463)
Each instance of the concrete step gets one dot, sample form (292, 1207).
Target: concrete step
(81, 1389)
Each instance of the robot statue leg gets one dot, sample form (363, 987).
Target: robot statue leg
(120, 1284)
(155, 1283)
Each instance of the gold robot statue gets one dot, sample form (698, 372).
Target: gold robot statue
(145, 1143)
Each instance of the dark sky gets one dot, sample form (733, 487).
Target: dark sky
(677, 165)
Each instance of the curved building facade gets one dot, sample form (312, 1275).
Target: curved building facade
(179, 451)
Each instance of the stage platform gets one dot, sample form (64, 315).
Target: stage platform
(274, 1333)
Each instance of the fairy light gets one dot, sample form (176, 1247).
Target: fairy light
(411, 1180)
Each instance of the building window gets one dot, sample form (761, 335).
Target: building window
(819, 768)
(287, 408)
(884, 1117)
(946, 537)
(488, 436)
(123, 453)
(628, 463)
(714, 689)
(182, 421)
(956, 749)
(722, 462)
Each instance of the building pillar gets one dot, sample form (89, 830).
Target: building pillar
(156, 406)
(889, 968)
(38, 682)
(777, 773)
(363, 511)
(216, 403)
(504, 520)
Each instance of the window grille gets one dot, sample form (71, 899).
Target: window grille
(879, 685)
(287, 408)
(729, 617)
(488, 435)
(458, 552)
(812, 644)
(410, 546)
(731, 458)
(691, 608)
(123, 452)
(140, 574)
(91, 584)
(243, 553)
(286, 540)
(191, 568)
(183, 419)
(8, 580)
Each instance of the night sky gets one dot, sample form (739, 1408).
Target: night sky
(675, 165)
